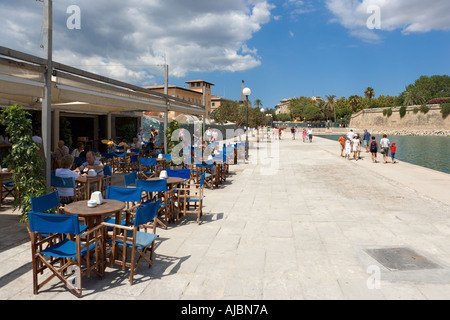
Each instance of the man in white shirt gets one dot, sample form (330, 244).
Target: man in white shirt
(92, 163)
(310, 134)
(351, 134)
(384, 146)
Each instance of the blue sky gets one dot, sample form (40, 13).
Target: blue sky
(280, 48)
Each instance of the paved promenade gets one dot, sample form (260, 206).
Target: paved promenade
(296, 222)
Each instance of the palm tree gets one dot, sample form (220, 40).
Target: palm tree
(258, 103)
(369, 93)
(413, 96)
(354, 102)
(330, 103)
(322, 106)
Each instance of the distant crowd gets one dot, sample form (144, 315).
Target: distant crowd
(352, 143)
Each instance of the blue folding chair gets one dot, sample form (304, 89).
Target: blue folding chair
(121, 162)
(79, 160)
(106, 179)
(70, 253)
(139, 242)
(46, 202)
(157, 190)
(134, 163)
(107, 170)
(131, 196)
(148, 167)
(8, 190)
(130, 178)
(108, 158)
(179, 173)
(210, 173)
(79, 190)
(191, 194)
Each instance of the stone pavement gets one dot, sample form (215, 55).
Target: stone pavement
(294, 223)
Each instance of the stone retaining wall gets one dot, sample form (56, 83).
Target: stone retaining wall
(412, 123)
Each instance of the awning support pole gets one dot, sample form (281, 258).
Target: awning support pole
(47, 101)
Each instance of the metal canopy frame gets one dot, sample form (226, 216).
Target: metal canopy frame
(23, 81)
(22, 78)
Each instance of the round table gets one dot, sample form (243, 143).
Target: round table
(170, 180)
(98, 213)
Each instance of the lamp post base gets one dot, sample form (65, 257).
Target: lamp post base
(246, 147)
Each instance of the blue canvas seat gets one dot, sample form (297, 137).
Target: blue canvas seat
(140, 242)
(71, 254)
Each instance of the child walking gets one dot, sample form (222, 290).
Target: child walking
(393, 150)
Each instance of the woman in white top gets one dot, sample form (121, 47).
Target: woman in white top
(356, 143)
(66, 195)
(80, 148)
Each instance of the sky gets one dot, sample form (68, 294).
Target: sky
(280, 48)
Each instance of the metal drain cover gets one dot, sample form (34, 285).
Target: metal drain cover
(401, 259)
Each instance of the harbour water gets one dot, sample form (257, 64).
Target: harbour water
(427, 151)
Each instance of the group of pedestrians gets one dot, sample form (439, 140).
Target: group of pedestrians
(351, 143)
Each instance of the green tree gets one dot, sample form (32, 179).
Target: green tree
(331, 104)
(283, 117)
(355, 103)
(432, 87)
(369, 93)
(24, 158)
(413, 96)
(312, 113)
(174, 125)
(323, 108)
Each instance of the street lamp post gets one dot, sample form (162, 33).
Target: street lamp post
(262, 122)
(246, 92)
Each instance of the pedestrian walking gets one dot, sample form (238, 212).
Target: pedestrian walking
(393, 151)
(374, 149)
(310, 134)
(348, 148)
(342, 140)
(356, 146)
(366, 140)
(384, 146)
(304, 135)
(293, 133)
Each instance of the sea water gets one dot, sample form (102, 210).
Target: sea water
(427, 151)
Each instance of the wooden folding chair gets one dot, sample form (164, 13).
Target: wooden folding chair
(190, 198)
(55, 230)
(140, 243)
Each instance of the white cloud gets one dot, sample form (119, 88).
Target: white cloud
(407, 15)
(126, 39)
(299, 7)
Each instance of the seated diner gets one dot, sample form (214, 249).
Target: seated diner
(66, 195)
